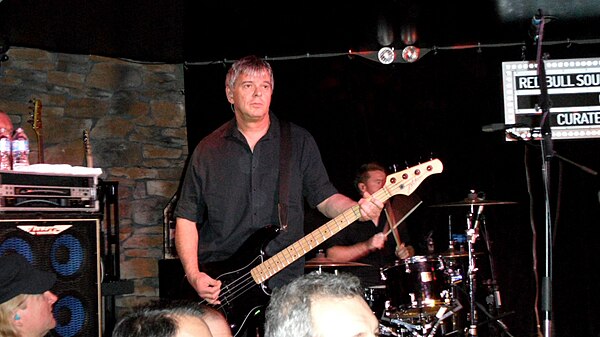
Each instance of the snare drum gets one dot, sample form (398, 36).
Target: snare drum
(416, 283)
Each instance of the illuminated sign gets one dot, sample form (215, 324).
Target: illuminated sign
(573, 93)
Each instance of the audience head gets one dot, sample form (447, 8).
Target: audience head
(25, 298)
(160, 323)
(173, 319)
(320, 304)
(216, 321)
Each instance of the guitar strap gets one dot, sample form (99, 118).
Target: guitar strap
(285, 153)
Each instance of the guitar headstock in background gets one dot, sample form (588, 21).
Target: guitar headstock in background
(87, 149)
(36, 123)
(35, 118)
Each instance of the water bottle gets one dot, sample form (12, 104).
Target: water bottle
(5, 148)
(20, 149)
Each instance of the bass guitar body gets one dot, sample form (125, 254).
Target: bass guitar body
(243, 301)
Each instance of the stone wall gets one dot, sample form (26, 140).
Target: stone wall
(135, 114)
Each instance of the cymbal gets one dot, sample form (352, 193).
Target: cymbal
(453, 254)
(412, 312)
(319, 262)
(474, 202)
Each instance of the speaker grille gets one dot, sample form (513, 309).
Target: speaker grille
(70, 248)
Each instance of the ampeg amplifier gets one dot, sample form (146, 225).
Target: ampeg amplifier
(35, 191)
(67, 244)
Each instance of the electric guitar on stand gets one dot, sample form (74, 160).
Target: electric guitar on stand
(36, 123)
(87, 149)
(244, 292)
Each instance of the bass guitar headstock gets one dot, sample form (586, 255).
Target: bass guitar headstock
(406, 181)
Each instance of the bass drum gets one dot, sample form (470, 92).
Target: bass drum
(416, 286)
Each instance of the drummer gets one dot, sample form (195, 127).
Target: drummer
(367, 242)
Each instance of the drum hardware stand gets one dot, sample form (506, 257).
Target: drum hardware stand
(493, 299)
(441, 315)
(423, 328)
(454, 298)
(497, 319)
(454, 275)
(472, 234)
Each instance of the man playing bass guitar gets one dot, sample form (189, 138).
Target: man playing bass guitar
(231, 193)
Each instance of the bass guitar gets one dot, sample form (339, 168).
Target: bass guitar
(244, 293)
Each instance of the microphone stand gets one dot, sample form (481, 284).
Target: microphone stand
(472, 234)
(547, 153)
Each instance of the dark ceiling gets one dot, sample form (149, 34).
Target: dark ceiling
(177, 31)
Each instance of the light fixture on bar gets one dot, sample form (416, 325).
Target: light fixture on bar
(386, 55)
(410, 54)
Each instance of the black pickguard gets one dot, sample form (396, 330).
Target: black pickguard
(243, 301)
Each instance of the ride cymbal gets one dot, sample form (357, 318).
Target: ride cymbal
(474, 202)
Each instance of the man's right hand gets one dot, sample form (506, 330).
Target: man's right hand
(376, 242)
(206, 287)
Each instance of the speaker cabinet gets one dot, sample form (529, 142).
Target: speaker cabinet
(69, 246)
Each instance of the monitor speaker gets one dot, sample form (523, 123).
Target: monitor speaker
(69, 247)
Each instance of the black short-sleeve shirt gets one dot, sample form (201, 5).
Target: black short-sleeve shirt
(231, 192)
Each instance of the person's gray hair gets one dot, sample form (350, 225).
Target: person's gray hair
(289, 311)
(248, 65)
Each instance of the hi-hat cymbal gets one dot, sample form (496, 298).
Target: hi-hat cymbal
(319, 262)
(474, 202)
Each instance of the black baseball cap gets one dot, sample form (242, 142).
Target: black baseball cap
(18, 277)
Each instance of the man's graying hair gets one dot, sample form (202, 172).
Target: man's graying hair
(248, 65)
(289, 310)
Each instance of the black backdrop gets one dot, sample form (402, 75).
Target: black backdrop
(359, 110)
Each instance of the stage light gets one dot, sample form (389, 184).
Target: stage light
(411, 54)
(386, 55)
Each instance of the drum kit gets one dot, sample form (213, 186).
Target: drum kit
(433, 295)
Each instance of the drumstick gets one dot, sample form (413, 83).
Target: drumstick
(392, 229)
(403, 218)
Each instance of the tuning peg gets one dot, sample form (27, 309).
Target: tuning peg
(396, 168)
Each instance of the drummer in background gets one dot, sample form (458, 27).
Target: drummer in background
(367, 242)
